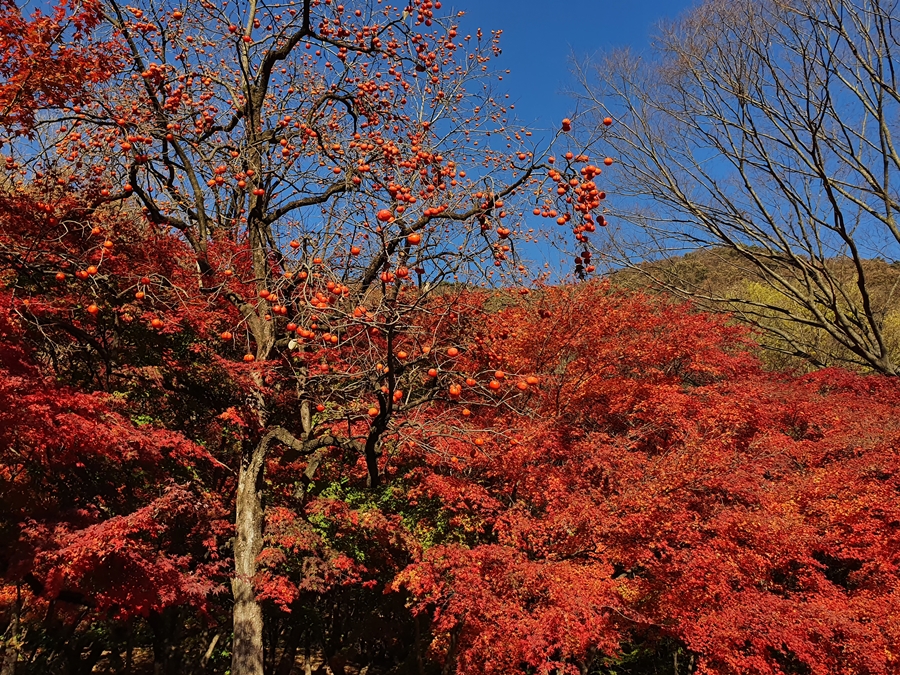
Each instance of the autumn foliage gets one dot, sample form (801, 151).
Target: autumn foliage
(653, 491)
(49, 59)
(258, 404)
(662, 491)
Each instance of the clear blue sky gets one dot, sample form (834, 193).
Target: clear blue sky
(538, 42)
(539, 38)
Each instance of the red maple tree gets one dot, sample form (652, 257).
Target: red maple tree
(658, 493)
(50, 59)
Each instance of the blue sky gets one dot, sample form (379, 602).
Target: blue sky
(539, 38)
(538, 42)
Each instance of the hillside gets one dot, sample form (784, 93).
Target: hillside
(719, 279)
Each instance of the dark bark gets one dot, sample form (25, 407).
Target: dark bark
(11, 652)
(166, 655)
(289, 653)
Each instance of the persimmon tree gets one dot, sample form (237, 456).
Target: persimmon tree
(249, 227)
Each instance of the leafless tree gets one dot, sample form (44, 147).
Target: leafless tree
(764, 131)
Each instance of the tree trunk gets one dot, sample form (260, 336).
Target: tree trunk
(289, 653)
(247, 648)
(166, 659)
(10, 655)
(129, 649)
(307, 656)
(204, 662)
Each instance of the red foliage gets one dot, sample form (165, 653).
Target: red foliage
(91, 502)
(215, 283)
(659, 486)
(49, 60)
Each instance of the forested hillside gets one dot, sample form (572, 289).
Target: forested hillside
(722, 280)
